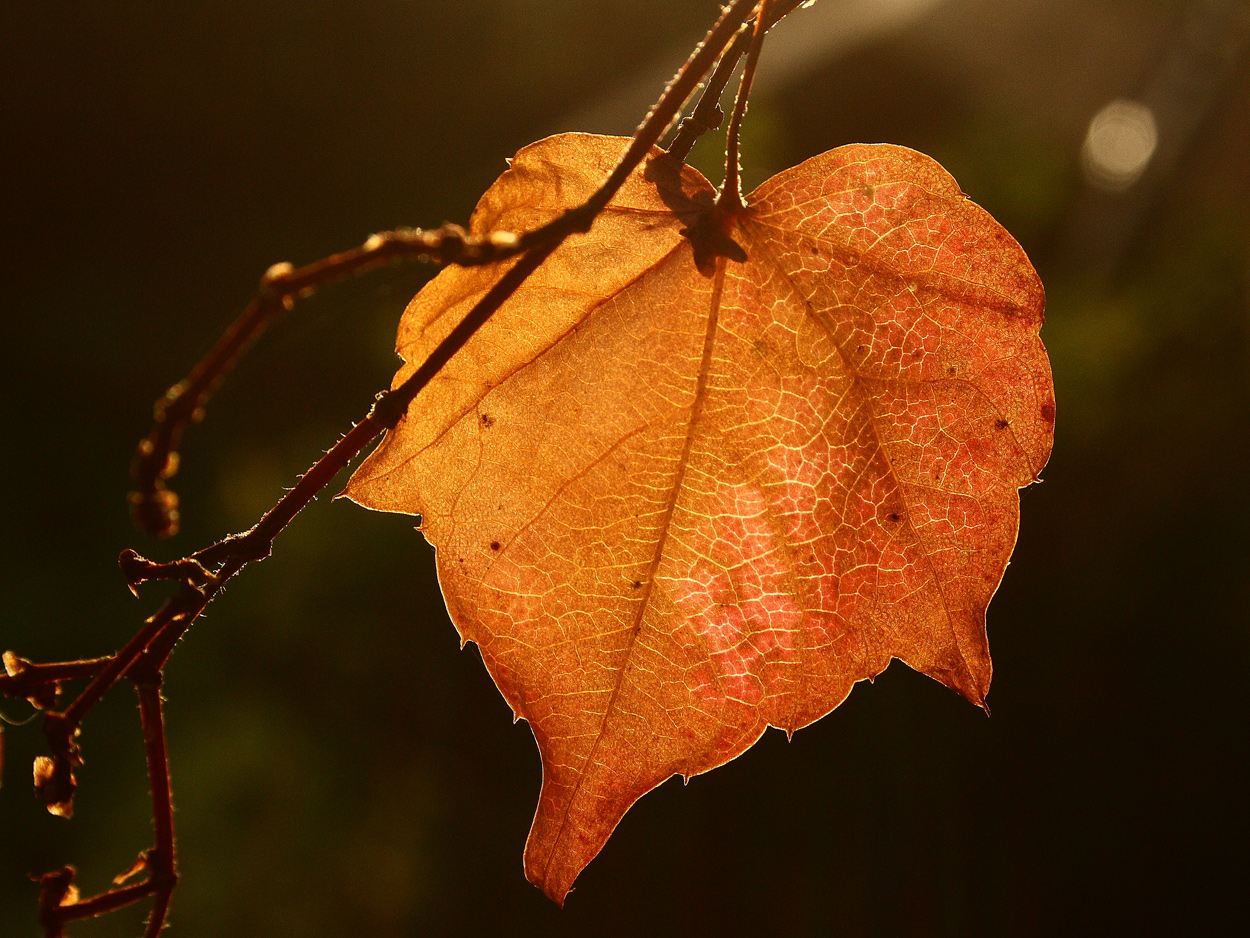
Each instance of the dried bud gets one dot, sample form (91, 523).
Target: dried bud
(55, 784)
(141, 864)
(156, 511)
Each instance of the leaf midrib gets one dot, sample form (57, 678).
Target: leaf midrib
(696, 412)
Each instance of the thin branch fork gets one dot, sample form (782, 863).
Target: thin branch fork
(707, 115)
(730, 197)
(40, 683)
(58, 897)
(202, 574)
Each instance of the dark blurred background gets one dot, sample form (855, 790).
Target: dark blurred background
(339, 766)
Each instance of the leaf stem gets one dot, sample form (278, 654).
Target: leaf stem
(730, 196)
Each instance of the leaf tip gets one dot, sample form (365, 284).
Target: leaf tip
(553, 889)
(976, 697)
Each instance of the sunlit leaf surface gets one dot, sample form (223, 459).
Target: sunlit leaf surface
(699, 475)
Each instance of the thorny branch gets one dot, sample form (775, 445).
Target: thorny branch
(202, 574)
(707, 114)
(730, 196)
(153, 504)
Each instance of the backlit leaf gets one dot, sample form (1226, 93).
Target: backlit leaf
(700, 475)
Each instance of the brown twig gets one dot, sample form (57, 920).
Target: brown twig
(59, 904)
(160, 860)
(203, 573)
(155, 507)
(707, 114)
(730, 196)
(41, 683)
(153, 504)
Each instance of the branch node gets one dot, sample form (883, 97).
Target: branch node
(275, 282)
(56, 890)
(146, 672)
(388, 409)
(450, 243)
(138, 570)
(580, 220)
(696, 125)
(22, 682)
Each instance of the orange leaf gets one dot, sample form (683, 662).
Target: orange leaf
(700, 475)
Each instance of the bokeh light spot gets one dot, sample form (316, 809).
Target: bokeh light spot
(1121, 140)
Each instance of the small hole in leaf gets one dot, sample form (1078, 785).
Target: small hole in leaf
(495, 545)
(1000, 424)
(637, 584)
(487, 421)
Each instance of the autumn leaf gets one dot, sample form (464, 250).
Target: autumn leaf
(704, 472)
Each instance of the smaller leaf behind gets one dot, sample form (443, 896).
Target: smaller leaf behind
(680, 493)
